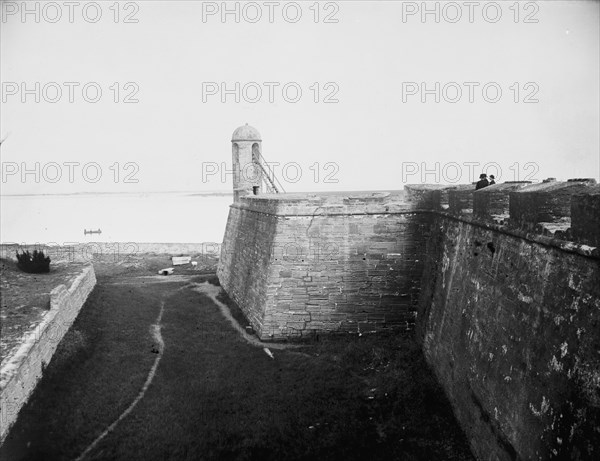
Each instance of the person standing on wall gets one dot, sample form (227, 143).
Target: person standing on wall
(483, 182)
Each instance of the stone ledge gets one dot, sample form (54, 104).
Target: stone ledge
(327, 204)
(564, 245)
(21, 371)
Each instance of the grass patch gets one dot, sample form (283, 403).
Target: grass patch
(217, 397)
(235, 310)
(407, 407)
(110, 267)
(214, 280)
(96, 372)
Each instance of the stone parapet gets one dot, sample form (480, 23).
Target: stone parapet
(492, 202)
(585, 217)
(460, 198)
(546, 202)
(21, 371)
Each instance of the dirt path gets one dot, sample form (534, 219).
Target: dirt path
(156, 334)
(205, 288)
(212, 292)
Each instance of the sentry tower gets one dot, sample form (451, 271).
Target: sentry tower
(250, 171)
(247, 172)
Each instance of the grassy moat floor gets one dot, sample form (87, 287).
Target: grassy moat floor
(214, 396)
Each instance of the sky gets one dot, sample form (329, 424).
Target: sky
(347, 95)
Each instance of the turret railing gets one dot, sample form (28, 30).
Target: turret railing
(270, 181)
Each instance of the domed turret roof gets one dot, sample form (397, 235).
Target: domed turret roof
(246, 133)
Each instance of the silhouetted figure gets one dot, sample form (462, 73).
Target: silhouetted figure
(483, 182)
(492, 179)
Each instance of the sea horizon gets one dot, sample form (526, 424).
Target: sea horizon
(142, 217)
(193, 192)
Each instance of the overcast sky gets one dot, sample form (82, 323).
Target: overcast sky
(368, 59)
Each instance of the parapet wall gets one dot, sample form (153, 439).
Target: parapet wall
(509, 317)
(21, 371)
(562, 211)
(299, 264)
(585, 216)
(510, 327)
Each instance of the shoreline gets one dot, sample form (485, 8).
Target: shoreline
(120, 250)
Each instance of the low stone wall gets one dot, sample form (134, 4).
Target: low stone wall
(21, 371)
(115, 251)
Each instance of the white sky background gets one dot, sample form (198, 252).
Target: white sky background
(368, 54)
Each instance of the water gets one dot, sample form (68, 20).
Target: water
(146, 217)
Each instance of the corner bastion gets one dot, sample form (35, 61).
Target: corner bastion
(298, 264)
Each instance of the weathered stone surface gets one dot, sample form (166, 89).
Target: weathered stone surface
(493, 200)
(426, 196)
(545, 202)
(21, 371)
(511, 329)
(283, 254)
(585, 217)
(460, 198)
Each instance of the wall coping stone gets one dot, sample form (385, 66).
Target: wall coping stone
(399, 203)
(567, 246)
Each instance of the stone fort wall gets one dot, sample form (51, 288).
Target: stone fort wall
(504, 284)
(298, 264)
(509, 318)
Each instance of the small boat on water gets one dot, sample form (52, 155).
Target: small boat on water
(85, 231)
